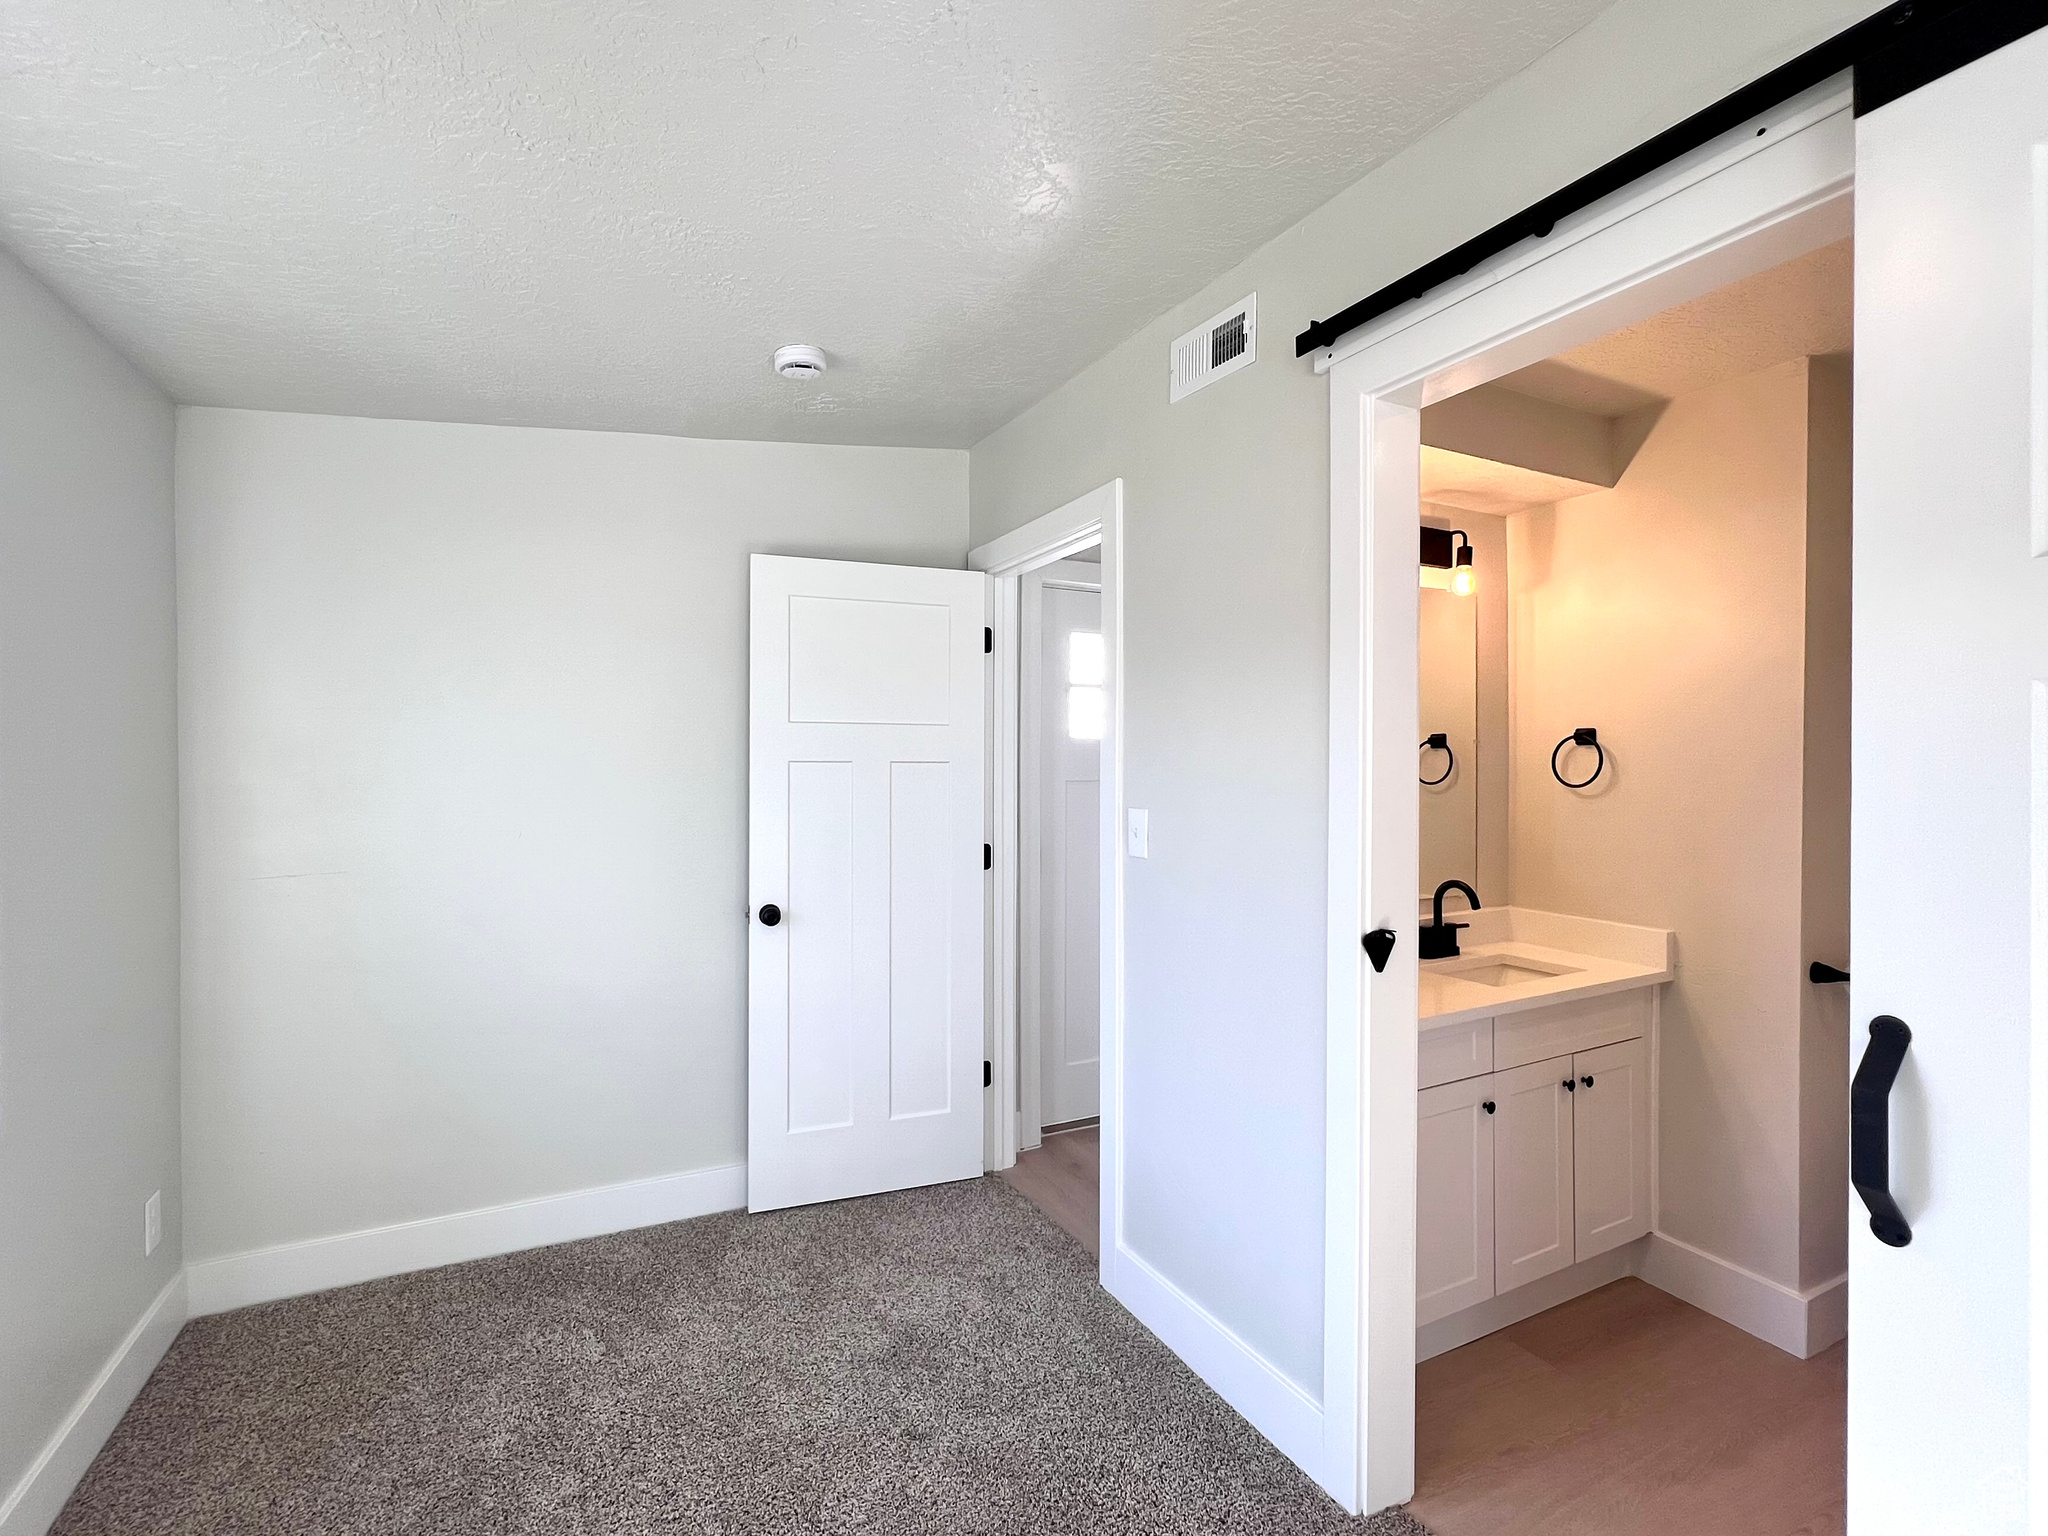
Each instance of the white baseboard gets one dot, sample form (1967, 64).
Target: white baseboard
(34, 1503)
(1525, 1301)
(294, 1269)
(1273, 1403)
(1802, 1323)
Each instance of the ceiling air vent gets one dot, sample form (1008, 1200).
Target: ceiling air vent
(1227, 343)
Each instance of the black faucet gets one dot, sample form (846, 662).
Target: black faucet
(1439, 940)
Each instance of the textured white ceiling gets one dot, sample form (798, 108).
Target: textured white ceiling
(608, 213)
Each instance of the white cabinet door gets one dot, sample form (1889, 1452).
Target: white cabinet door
(1611, 1146)
(1532, 1172)
(1453, 1198)
(1949, 822)
(864, 1014)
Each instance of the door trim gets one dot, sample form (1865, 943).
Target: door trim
(1728, 212)
(1097, 516)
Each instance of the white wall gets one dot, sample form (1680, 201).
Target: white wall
(1671, 613)
(88, 874)
(1227, 580)
(464, 756)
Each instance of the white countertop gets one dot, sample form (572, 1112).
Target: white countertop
(1560, 958)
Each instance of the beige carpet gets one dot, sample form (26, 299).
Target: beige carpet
(935, 1361)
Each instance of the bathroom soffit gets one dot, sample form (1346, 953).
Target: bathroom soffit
(1802, 308)
(601, 215)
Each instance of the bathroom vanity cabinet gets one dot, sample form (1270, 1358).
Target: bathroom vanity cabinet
(1533, 1144)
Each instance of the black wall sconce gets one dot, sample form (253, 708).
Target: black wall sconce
(1450, 549)
(1584, 736)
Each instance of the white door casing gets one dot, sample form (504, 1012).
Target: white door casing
(1066, 829)
(1094, 519)
(1949, 821)
(865, 833)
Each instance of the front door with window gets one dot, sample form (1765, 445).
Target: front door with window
(1070, 787)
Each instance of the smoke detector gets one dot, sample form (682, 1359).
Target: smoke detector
(799, 362)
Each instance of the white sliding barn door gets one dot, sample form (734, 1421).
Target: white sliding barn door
(1949, 883)
(865, 850)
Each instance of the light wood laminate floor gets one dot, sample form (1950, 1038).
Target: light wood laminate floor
(1062, 1176)
(1629, 1413)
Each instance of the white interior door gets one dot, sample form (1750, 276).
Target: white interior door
(1949, 860)
(865, 879)
(1072, 715)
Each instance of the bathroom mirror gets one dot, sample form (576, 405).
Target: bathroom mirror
(1449, 696)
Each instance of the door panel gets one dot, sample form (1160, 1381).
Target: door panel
(1532, 1173)
(922, 865)
(1070, 775)
(1454, 1160)
(820, 950)
(1949, 822)
(865, 832)
(1611, 1147)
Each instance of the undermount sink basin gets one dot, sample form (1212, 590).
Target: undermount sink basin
(1489, 971)
(1503, 975)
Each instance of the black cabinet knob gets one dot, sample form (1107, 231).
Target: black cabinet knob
(1570, 1086)
(1586, 1081)
(771, 914)
(1487, 1105)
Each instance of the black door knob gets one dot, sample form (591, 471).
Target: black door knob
(1487, 1105)
(1586, 1081)
(771, 914)
(1570, 1086)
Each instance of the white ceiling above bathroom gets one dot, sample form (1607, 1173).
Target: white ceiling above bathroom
(610, 214)
(1802, 308)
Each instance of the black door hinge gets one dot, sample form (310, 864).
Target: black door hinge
(988, 641)
(988, 1073)
(988, 857)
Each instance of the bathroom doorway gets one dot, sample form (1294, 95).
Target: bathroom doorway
(1632, 924)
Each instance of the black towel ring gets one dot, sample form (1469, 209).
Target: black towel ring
(1440, 742)
(1584, 736)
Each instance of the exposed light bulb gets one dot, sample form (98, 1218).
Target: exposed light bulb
(1463, 581)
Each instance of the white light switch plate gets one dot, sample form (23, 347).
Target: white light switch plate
(152, 1223)
(1138, 838)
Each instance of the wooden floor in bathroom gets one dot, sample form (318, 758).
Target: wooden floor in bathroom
(1629, 1413)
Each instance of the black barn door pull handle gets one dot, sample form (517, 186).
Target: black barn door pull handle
(1870, 1127)
(1378, 945)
